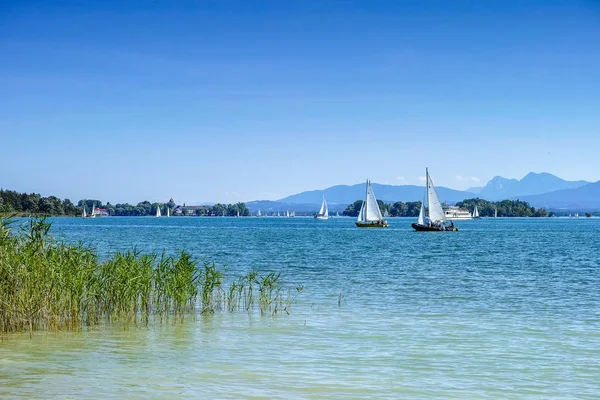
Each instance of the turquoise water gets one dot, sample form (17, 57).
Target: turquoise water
(505, 308)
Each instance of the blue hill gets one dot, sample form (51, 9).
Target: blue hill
(500, 188)
(584, 198)
(344, 194)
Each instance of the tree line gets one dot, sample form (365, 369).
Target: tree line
(25, 204)
(506, 208)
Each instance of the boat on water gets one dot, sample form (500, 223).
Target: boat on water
(431, 215)
(496, 212)
(83, 214)
(93, 214)
(337, 213)
(456, 213)
(158, 215)
(476, 213)
(258, 214)
(386, 214)
(168, 214)
(370, 215)
(323, 213)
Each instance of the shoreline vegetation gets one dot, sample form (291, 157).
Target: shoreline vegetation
(506, 208)
(47, 284)
(34, 205)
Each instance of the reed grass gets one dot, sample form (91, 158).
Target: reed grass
(46, 284)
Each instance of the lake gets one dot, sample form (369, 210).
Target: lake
(504, 308)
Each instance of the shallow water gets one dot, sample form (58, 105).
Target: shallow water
(504, 308)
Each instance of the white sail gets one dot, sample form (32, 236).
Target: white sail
(278, 214)
(287, 213)
(84, 215)
(361, 213)
(93, 215)
(496, 212)
(337, 213)
(168, 214)
(475, 212)
(157, 211)
(421, 220)
(373, 213)
(258, 213)
(435, 211)
(369, 211)
(238, 213)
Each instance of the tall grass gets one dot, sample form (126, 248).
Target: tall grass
(48, 284)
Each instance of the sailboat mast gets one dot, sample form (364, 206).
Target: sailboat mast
(427, 181)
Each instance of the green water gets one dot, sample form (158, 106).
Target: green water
(505, 308)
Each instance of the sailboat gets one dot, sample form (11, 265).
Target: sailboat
(258, 214)
(370, 214)
(476, 213)
(324, 211)
(279, 215)
(168, 214)
(287, 213)
(93, 215)
(431, 210)
(337, 213)
(83, 215)
(238, 213)
(157, 211)
(386, 214)
(496, 212)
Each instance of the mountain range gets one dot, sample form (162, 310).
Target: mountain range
(539, 189)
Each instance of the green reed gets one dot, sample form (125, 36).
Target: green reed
(48, 284)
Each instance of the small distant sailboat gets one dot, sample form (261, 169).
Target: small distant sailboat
(168, 214)
(287, 214)
(293, 214)
(324, 211)
(238, 213)
(158, 212)
(83, 214)
(337, 213)
(93, 215)
(476, 213)
(278, 214)
(386, 214)
(431, 208)
(258, 214)
(370, 214)
(496, 212)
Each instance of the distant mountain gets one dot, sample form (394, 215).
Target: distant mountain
(343, 194)
(476, 189)
(584, 198)
(500, 188)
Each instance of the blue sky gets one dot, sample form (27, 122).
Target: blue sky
(227, 101)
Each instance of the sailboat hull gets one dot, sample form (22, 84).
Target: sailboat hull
(426, 228)
(321, 217)
(371, 225)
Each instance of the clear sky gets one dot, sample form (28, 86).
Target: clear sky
(207, 101)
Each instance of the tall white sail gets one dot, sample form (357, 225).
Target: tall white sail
(258, 214)
(168, 214)
(84, 215)
(369, 211)
(475, 212)
(157, 211)
(93, 215)
(324, 211)
(496, 212)
(436, 213)
(421, 220)
(373, 213)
